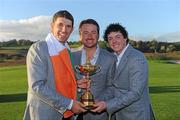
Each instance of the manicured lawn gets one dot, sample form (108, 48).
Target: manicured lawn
(13, 88)
(165, 89)
(164, 83)
(13, 80)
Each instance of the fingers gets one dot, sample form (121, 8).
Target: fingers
(97, 109)
(99, 106)
(81, 107)
(78, 107)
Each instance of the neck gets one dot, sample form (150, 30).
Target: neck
(90, 52)
(61, 42)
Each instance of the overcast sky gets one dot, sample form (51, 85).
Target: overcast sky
(143, 19)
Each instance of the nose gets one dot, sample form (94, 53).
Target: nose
(64, 29)
(89, 35)
(113, 40)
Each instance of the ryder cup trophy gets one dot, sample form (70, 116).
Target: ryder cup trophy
(87, 70)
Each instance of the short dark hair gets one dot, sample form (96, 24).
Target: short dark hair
(65, 14)
(115, 27)
(89, 21)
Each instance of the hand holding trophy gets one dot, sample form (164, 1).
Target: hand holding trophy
(87, 70)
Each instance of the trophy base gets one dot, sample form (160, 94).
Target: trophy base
(87, 100)
(89, 105)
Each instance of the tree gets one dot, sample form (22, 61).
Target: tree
(154, 45)
(102, 44)
(170, 48)
(162, 48)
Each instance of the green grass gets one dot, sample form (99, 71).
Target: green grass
(12, 110)
(13, 80)
(165, 89)
(13, 88)
(164, 82)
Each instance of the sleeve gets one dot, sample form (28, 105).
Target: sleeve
(138, 77)
(38, 83)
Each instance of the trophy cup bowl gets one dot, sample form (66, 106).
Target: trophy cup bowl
(87, 70)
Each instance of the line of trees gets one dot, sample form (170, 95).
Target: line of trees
(154, 46)
(16, 43)
(151, 46)
(145, 46)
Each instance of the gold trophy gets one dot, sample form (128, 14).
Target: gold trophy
(87, 70)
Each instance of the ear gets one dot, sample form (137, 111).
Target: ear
(125, 39)
(80, 38)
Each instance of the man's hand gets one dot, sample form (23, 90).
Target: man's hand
(83, 83)
(77, 107)
(99, 106)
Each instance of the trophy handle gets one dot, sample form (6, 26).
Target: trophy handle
(76, 67)
(78, 70)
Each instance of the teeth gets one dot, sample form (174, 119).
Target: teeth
(115, 45)
(62, 34)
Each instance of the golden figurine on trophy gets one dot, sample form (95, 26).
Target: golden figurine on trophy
(87, 70)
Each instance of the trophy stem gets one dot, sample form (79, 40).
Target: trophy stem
(87, 70)
(88, 78)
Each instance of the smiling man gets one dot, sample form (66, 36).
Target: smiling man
(89, 35)
(127, 95)
(51, 80)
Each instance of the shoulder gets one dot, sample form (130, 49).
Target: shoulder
(38, 46)
(134, 53)
(107, 54)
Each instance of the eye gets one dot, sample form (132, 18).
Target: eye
(68, 26)
(60, 25)
(118, 36)
(94, 32)
(85, 32)
(109, 38)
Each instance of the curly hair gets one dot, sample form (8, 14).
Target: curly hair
(115, 27)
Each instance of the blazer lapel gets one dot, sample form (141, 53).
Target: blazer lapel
(121, 66)
(79, 58)
(123, 62)
(99, 60)
(77, 61)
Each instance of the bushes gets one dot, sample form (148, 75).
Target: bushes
(163, 56)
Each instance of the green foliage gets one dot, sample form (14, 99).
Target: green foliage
(163, 56)
(145, 46)
(102, 44)
(16, 43)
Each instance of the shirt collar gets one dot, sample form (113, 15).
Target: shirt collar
(121, 54)
(95, 56)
